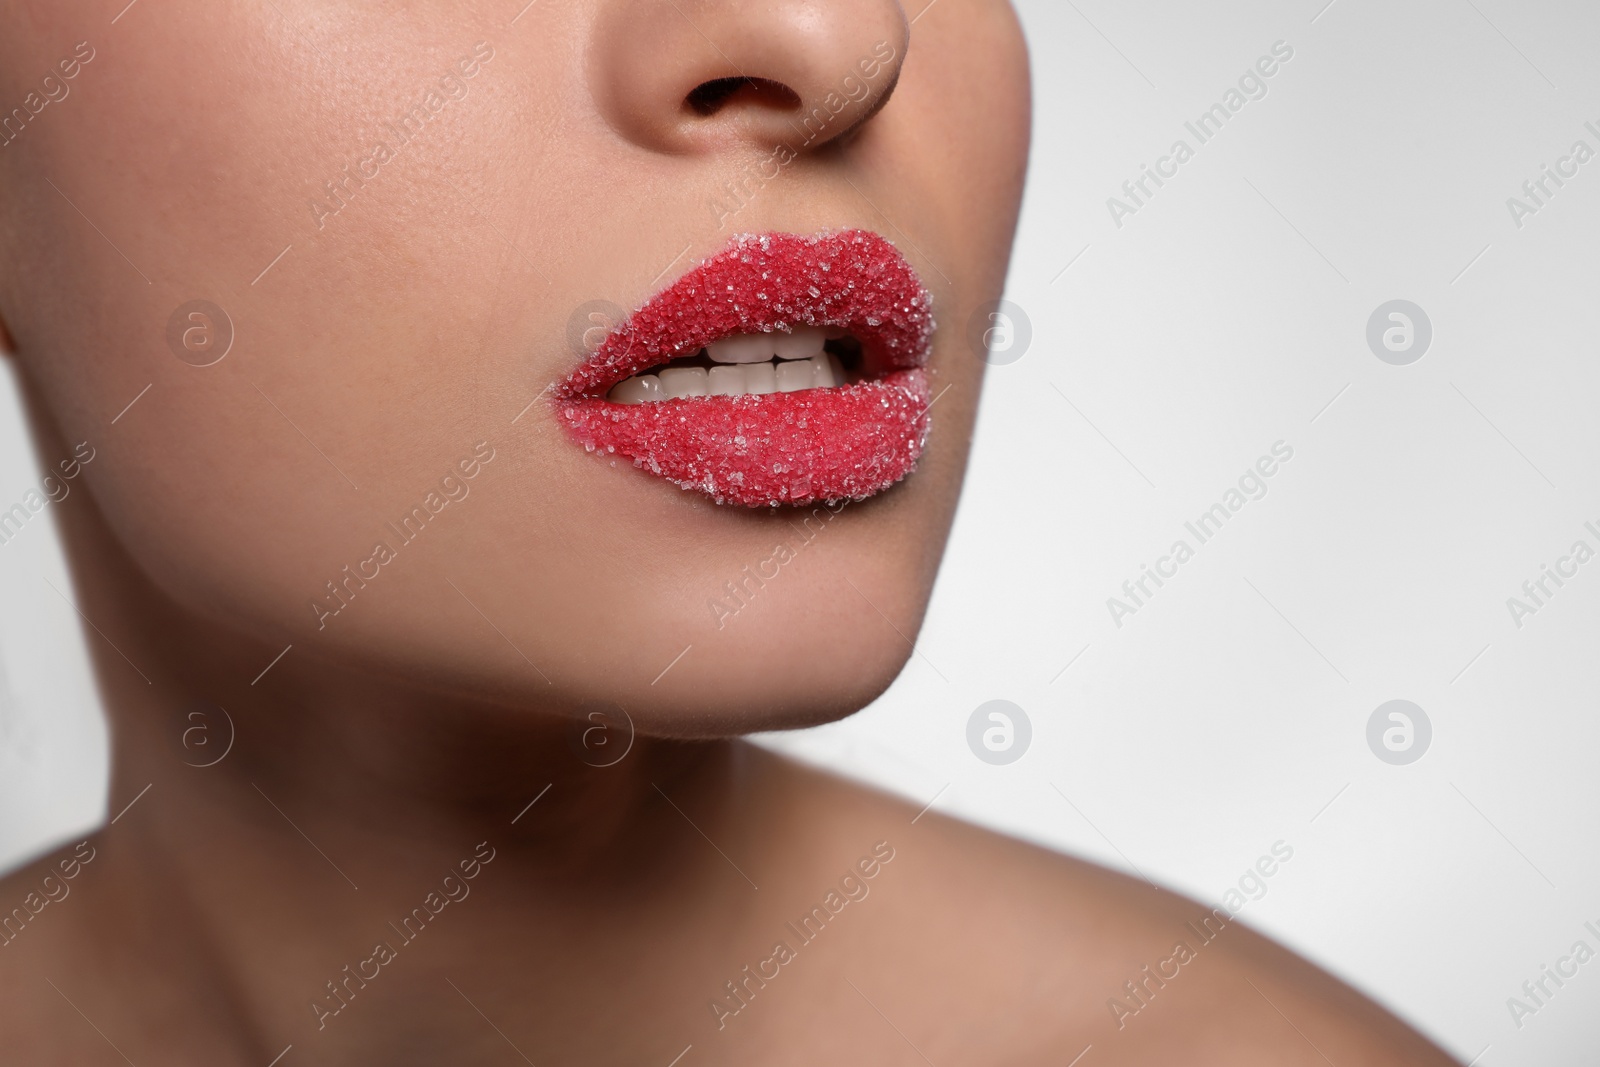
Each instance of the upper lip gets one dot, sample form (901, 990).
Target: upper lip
(853, 279)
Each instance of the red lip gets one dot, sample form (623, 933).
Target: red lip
(842, 443)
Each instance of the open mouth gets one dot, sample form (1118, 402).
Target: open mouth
(783, 370)
(749, 364)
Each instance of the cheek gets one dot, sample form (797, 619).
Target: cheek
(184, 166)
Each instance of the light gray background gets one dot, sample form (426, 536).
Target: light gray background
(1229, 313)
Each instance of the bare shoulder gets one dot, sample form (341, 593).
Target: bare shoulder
(41, 950)
(992, 950)
(34, 898)
(90, 967)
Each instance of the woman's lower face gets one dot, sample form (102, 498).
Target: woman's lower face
(340, 295)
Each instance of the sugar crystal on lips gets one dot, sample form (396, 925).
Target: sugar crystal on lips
(806, 434)
(812, 446)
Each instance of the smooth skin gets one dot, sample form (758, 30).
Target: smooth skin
(407, 327)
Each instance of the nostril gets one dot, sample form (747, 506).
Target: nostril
(710, 97)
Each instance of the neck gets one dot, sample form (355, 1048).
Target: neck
(305, 816)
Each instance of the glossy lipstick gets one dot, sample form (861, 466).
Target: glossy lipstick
(844, 442)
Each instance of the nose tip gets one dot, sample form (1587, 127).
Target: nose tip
(683, 77)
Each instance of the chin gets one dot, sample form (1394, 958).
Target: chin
(790, 690)
(808, 647)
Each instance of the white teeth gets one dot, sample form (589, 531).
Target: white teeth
(637, 390)
(682, 381)
(803, 343)
(726, 381)
(747, 364)
(760, 378)
(822, 372)
(741, 348)
(796, 375)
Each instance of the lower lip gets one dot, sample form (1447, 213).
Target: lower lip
(844, 443)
